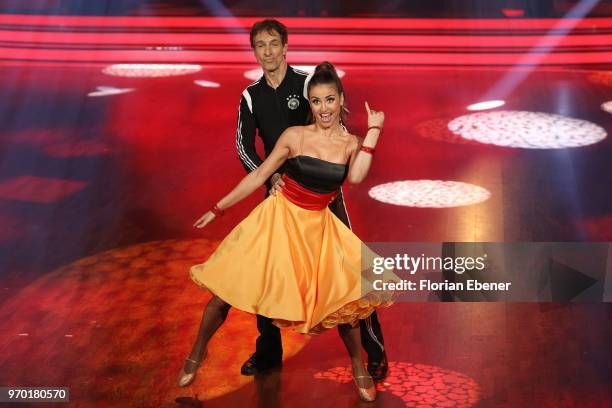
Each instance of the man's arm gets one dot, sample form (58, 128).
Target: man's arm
(245, 134)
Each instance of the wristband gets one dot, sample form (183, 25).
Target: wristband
(216, 210)
(367, 149)
(375, 127)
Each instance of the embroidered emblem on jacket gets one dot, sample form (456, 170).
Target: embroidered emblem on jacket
(293, 102)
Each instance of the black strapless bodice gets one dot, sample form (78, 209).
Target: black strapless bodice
(316, 174)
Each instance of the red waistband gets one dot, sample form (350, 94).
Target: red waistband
(302, 197)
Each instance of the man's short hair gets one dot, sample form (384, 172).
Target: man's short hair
(270, 26)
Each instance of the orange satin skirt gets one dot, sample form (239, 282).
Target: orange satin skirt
(299, 267)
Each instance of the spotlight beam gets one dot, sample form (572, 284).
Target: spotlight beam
(532, 59)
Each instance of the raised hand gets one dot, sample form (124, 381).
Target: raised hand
(375, 118)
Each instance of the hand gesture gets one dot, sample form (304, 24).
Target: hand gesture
(277, 184)
(204, 220)
(375, 118)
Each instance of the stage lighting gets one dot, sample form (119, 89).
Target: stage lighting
(151, 70)
(139, 294)
(510, 12)
(418, 384)
(486, 105)
(601, 77)
(206, 84)
(34, 189)
(429, 193)
(108, 91)
(528, 130)
(255, 74)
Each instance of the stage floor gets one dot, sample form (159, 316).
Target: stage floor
(98, 195)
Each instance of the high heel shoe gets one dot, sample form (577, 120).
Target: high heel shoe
(185, 378)
(366, 393)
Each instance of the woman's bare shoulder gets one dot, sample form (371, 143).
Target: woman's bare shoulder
(291, 133)
(353, 141)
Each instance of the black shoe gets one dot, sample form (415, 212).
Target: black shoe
(251, 367)
(378, 369)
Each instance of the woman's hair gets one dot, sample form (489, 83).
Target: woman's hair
(325, 74)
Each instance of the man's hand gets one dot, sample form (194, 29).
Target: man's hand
(277, 184)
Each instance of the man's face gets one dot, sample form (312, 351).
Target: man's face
(269, 50)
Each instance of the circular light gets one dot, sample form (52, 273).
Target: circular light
(529, 130)
(607, 106)
(429, 193)
(206, 84)
(437, 130)
(131, 296)
(151, 70)
(418, 384)
(255, 74)
(486, 105)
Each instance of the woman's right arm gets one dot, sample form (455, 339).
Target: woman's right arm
(256, 178)
(360, 162)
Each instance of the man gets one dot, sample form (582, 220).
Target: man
(269, 106)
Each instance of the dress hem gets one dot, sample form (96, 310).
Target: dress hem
(349, 313)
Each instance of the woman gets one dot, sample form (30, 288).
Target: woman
(291, 259)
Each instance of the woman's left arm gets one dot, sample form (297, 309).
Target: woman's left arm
(361, 157)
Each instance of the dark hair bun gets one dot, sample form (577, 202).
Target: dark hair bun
(325, 66)
(325, 74)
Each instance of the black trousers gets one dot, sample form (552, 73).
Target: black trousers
(269, 348)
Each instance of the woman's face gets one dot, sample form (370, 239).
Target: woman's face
(326, 104)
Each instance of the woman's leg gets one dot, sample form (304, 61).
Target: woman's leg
(351, 337)
(213, 316)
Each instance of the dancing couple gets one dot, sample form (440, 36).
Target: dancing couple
(294, 261)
